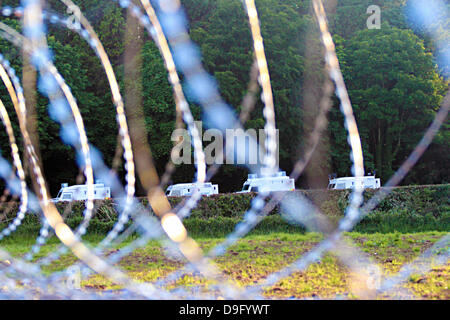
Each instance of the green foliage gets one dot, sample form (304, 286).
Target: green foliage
(221, 30)
(158, 103)
(395, 90)
(390, 73)
(351, 16)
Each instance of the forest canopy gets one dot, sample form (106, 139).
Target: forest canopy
(391, 74)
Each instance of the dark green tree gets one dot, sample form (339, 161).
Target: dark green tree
(395, 90)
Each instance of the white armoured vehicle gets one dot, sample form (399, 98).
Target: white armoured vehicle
(268, 183)
(79, 192)
(352, 182)
(187, 189)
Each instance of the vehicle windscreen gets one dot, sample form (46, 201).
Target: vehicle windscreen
(67, 196)
(368, 184)
(245, 188)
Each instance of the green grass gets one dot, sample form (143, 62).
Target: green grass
(376, 222)
(256, 256)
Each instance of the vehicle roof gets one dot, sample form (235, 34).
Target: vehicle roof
(78, 186)
(268, 178)
(352, 178)
(191, 184)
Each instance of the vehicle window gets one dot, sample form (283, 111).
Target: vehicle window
(254, 189)
(167, 192)
(67, 196)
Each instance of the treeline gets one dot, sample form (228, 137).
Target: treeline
(391, 75)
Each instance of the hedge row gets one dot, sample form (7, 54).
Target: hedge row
(419, 200)
(405, 209)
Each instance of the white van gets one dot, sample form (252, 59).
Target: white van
(79, 192)
(187, 189)
(268, 183)
(351, 182)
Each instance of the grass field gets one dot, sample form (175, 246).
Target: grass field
(254, 257)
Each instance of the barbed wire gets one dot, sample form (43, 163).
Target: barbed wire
(166, 23)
